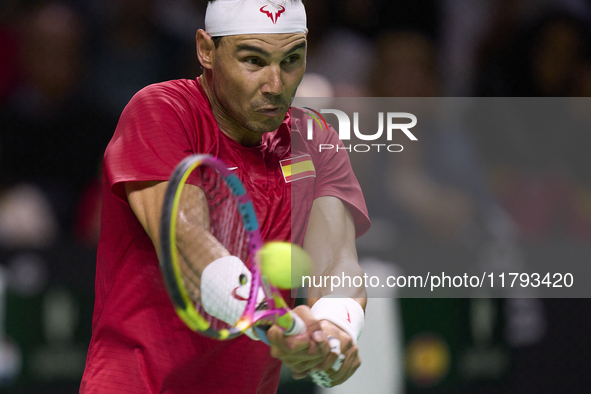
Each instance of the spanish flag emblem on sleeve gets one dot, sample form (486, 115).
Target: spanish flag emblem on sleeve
(297, 168)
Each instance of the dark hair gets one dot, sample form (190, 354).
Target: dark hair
(217, 40)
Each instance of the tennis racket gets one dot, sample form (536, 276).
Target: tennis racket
(233, 223)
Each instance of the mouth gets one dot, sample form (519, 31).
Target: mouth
(270, 111)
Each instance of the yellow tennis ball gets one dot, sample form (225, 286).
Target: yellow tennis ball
(282, 261)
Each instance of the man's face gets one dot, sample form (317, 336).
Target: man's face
(256, 76)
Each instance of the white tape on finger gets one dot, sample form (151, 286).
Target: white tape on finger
(321, 378)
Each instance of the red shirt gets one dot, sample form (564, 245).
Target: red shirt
(138, 343)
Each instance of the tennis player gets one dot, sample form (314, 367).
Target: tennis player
(253, 53)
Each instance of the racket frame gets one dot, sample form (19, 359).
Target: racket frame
(277, 312)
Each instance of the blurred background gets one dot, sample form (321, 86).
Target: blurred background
(68, 68)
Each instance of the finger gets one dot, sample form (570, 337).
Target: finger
(305, 366)
(328, 362)
(319, 343)
(307, 316)
(282, 345)
(333, 331)
(301, 362)
(299, 375)
(351, 363)
(346, 377)
(295, 343)
(351, 358)
(291, 357)
(303, 369)
(321, 365)
(304, 351)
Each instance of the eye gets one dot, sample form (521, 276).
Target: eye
(255, 61)
(292, 59)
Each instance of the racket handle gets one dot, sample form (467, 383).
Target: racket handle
(321, 378)
(297, 327)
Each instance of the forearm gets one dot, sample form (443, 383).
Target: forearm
(330, 241)
(210, 274)
(196, 246)
(347, 268)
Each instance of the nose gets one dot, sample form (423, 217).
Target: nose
(273, 85)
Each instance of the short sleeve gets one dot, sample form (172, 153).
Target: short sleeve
(335, 177)
(154, 133)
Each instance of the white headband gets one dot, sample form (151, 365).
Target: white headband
(233, 17)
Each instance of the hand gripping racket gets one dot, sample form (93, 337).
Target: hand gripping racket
(233, 223)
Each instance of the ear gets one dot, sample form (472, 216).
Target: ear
(205, 49)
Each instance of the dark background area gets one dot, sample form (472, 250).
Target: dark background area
(68, 68)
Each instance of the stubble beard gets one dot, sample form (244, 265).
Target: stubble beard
(264, 126)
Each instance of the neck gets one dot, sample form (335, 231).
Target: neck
(226, 123)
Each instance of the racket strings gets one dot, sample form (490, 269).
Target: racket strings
(225, 224)
(224, 216)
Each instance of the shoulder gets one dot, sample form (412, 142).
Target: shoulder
(181, 99)
(171, 92)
